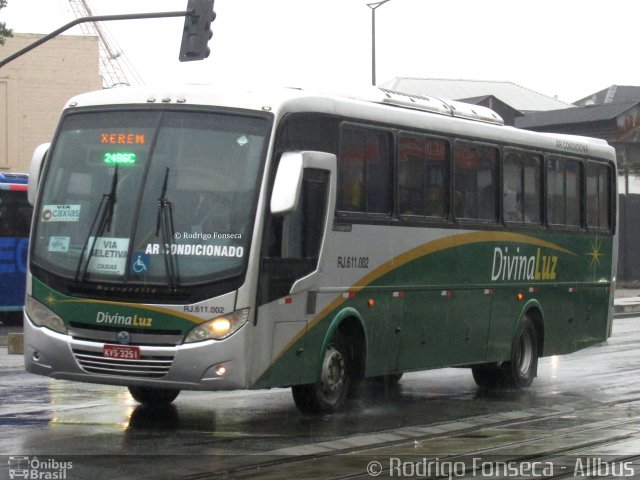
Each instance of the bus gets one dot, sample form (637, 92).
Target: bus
(195, 239)
(15, 220)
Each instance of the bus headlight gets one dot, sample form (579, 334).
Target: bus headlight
(219, 327)
(42, 316)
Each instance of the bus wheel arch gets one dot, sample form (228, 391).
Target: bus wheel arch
(349, 324)
(341, 367)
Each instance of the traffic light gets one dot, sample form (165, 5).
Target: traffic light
(197, 30)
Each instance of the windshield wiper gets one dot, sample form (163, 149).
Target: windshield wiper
(102, 219)
(164, 224)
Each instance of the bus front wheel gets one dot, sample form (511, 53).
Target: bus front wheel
(329, 394)
(153, 396)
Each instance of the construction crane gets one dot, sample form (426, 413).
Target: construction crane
(114, 67)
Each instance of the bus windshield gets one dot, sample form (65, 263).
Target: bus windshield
(150, 198)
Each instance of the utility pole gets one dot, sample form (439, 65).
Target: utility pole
(373, 7)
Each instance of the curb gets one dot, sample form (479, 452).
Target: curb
(626, 306)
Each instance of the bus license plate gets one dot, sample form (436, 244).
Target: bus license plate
(121, 352)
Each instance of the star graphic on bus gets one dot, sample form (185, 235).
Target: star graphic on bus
(595, 253)
(51, 299)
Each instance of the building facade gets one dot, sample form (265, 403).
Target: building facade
(34, 89)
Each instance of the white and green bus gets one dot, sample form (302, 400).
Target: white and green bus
(192, 239)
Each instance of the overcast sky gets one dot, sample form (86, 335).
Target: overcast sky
(564, 48)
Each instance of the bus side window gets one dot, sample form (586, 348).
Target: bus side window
(293, 240)
(532, 189)
(564, 198)
(15, 214)
(512, 187)
(365, 174)
(422, 176)
(598, 195)
(521, 187)
(475, 177)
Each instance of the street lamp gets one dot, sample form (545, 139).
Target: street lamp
(373, 7)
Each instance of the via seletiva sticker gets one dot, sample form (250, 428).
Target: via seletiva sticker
(109, 255)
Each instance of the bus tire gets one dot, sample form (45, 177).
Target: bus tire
(153, 397)
(329, 394)
(392, 378)
(522, 368)
(387, 381)
(487, 376)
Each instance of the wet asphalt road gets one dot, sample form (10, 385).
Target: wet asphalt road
(590, 399)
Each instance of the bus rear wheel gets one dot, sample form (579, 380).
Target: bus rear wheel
(520, 371)
(329, 394)
(522, 367)
(153, 397)
(487, 376)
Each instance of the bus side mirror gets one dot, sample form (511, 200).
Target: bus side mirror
(286, 188)
(37, 162)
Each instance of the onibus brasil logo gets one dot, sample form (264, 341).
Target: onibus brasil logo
(38, 469)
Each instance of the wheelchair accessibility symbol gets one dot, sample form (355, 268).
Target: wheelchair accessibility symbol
(140, 263)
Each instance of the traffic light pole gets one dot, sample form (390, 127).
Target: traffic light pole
(97, 18)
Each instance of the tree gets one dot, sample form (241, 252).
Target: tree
(4, 31)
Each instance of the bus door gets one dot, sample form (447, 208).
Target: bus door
(291, 252)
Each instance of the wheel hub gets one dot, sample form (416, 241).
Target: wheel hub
(333, 373)
(525, 353)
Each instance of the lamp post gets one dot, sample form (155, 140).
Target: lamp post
(373, 6)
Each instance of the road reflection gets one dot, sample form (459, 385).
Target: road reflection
(165, 417)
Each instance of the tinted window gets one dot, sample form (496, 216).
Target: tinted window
(564, 192)
(475, 181)
(521, 187)
(422, 176)
(365, 175)
(15, 214)
(598, 196)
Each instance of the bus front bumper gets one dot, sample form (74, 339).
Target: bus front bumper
(207, 365)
